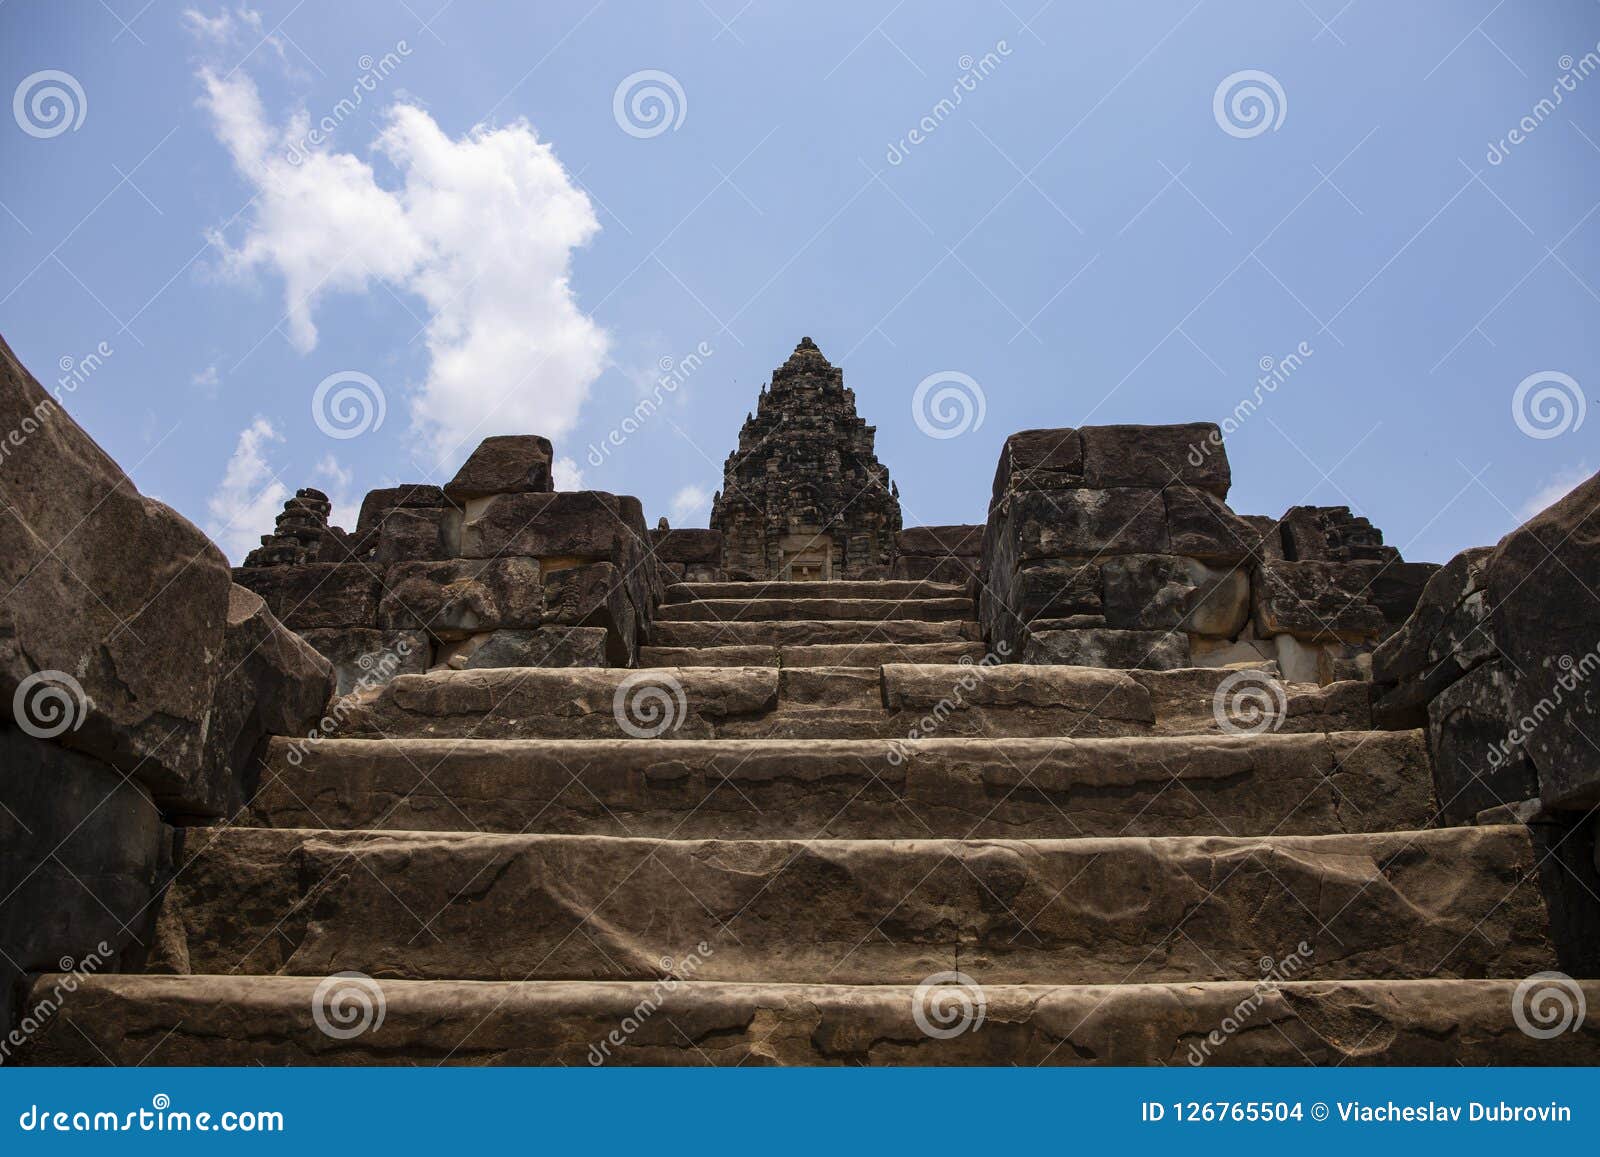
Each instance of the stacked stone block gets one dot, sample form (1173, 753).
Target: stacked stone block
(1114, 546)
(494, 569)
(945, 554)
(687, 556)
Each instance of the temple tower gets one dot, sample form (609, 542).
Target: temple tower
(804, 497)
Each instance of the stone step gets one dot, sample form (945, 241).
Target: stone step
(892, 701)
(1450, 902)
(850, 589)
(824, 655)
(858, 789)
(802, 633)
(279, 1020)
(810, 610)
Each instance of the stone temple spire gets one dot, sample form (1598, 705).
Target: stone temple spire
(804, 495)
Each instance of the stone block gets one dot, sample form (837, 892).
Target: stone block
(407, 534)
(463, 596)
(1039, 460)
(693, 545)
(83, 856)
(364, 657)
(595, 595)
(1189, 454)
(1201, 526)
(1036, 525)
(1475, 764)
(1132, 650)
(547, 646)
(321, 594)
(505, 464)
(1159, 592)
(1314, 601)
(939, 540)
(412, 496)
(274, 683)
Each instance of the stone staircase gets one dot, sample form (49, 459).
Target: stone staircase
(819, 826)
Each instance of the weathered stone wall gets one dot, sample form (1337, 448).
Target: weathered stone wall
(1114, 546)
(138, 687)
(494, 569)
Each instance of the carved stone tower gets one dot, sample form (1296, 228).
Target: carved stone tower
(804, 497)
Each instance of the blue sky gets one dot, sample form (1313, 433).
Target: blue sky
(496, 239)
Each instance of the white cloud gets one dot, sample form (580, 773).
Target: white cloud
(688, 502)
(481, 229)
(565, 474)
(1557, 487)
(249, 497)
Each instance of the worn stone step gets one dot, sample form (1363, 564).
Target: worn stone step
(823, 655)
(848, 589)
(1449, 902)
(279, 1020)
(811, 633)
(810, 610)
(892, 701)
(862, 789)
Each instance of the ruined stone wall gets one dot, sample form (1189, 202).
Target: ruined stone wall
(1114, 546)
(493, 569)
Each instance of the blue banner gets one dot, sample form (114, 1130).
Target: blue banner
(800, 1111)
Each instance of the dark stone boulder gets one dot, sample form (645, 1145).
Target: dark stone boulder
(1542, 582)
(114, 591)
(595, 595)
(1039, 460)
(1316, 601)
(506, 464)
